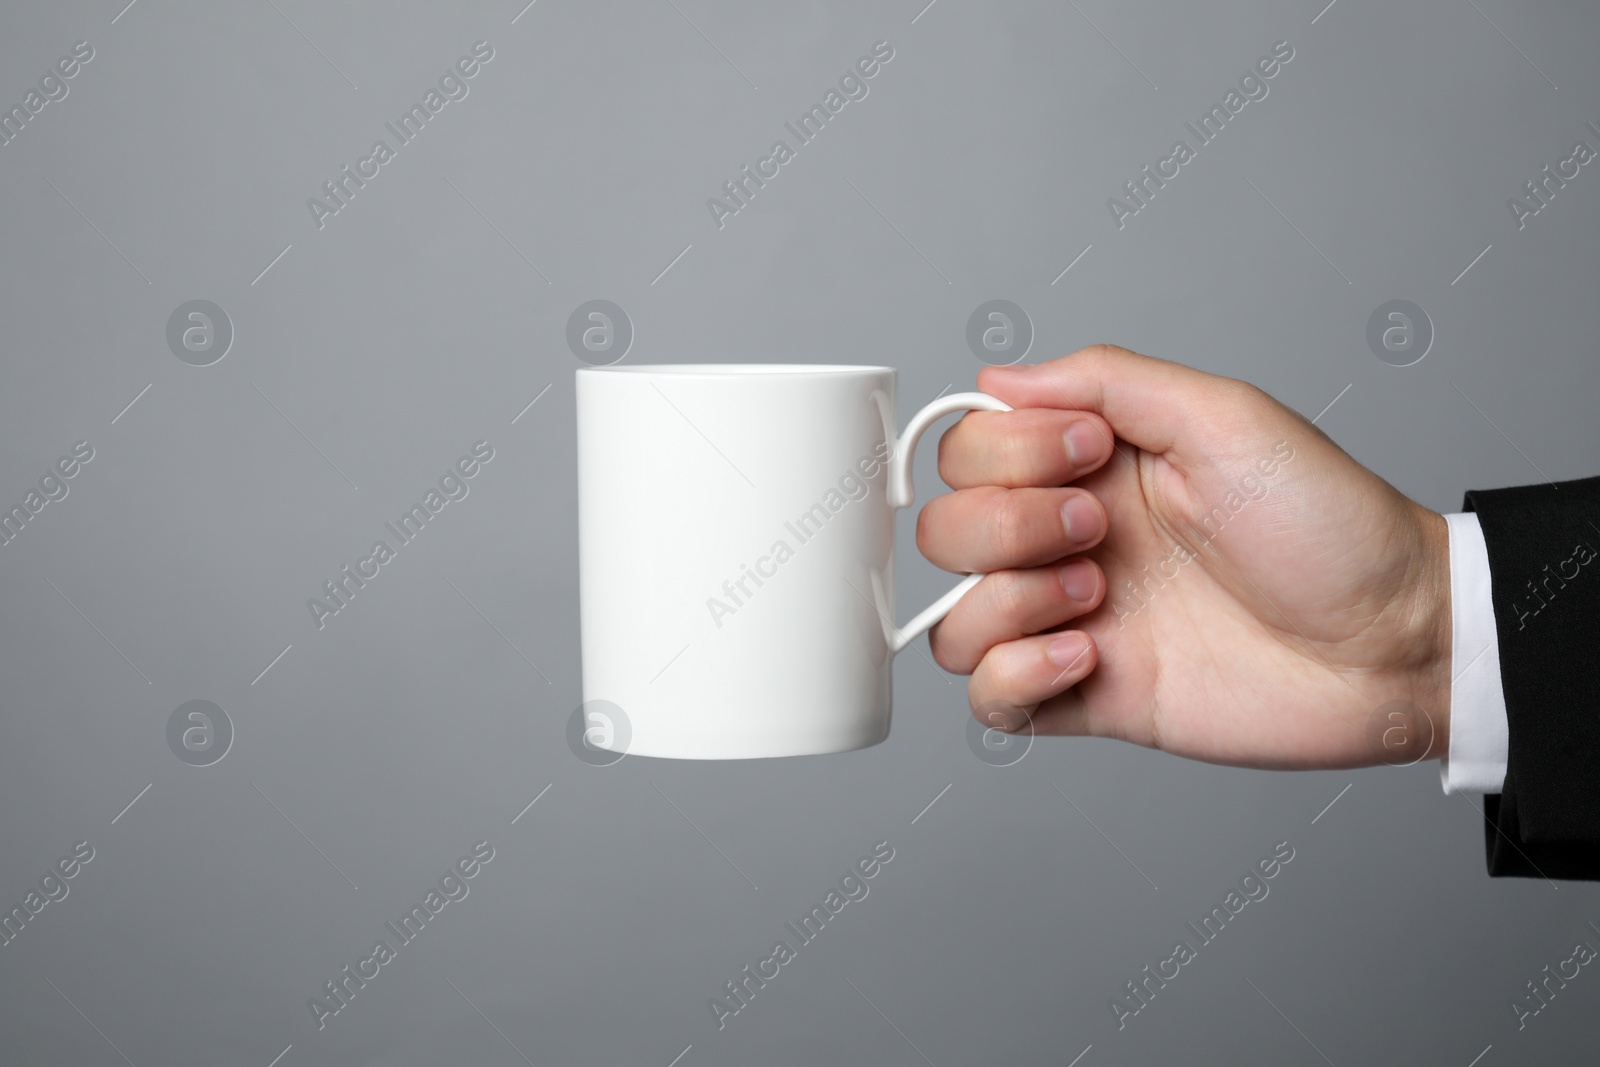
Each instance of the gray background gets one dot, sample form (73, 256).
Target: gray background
(377, 349)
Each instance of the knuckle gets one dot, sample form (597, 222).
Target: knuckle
(1010, 595)
(1004, 674)
(1010, 529)
(1101, 354)
(1243, 396)
(1013, 455)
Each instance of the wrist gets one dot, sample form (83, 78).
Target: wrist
(1429, 674)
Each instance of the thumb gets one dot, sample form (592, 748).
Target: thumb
(1148, 402)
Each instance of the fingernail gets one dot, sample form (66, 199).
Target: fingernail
(1067, 649)
(1081, 518)
(1084, 444)
(1079, 581)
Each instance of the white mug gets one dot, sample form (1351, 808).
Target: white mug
(736, 556)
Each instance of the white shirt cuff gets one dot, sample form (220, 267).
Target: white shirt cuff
(1476, 762)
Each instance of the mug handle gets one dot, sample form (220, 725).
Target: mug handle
(900, 494)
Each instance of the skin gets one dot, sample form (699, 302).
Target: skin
(1268, 633)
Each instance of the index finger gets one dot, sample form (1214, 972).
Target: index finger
(1148, 402)
(1024, 447)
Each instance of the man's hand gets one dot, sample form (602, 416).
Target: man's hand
(1239, 590)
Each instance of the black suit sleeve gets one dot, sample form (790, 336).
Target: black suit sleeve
(1544, 566)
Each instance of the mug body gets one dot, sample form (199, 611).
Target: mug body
(736, 556)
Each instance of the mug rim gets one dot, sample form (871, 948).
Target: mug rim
(740, 370)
